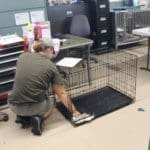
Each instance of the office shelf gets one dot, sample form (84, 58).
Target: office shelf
(7, 81)
(9, 54)
(8, 60)
(6, 69)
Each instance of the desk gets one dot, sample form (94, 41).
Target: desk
(146, 33)
(76, 41)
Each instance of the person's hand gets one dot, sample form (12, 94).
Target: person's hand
(76, 114)
(56, 42)
(81, 118)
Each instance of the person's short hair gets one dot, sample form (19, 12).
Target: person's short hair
(42, 45)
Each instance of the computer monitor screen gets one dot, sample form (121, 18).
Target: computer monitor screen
(60, 16)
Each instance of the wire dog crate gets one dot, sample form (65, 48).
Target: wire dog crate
(112, 85)
(123, 24)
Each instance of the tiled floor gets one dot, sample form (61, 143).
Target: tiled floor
(125, 129)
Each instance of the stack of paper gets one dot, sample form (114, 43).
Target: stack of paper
(10, 39)
(68, 62)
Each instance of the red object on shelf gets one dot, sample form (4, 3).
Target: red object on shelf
(4, 95)
(25, 43)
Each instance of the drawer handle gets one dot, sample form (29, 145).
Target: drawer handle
(103, 31)
(102, 6)
(104, 43)
(102, 18)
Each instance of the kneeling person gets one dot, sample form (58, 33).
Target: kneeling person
(29, 98)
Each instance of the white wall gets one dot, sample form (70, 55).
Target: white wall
(141, 2)
(114, 0)
(145, 2)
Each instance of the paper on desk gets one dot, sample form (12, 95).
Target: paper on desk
(68, 62)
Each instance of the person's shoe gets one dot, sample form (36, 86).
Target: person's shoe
(24, 121)
(18, 119)
(37, 125)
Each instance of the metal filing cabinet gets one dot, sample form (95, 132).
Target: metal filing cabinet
(9, 54)
(100, 24)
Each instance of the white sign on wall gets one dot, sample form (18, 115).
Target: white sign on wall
(22, 18)
(37, 16)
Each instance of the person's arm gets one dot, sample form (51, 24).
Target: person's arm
(64, 98)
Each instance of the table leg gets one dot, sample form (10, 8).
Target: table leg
(68, 52)
(148, 57)
(88, 64)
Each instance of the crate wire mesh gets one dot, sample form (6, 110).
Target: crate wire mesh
(129, 20)
(117, 71)
(122, 73)
(124, 22)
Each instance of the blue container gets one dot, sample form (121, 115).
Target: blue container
(128, 3)
(133, 3)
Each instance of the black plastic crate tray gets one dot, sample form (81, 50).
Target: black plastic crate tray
(99, 102)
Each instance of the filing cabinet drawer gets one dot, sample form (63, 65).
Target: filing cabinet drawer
(103, 43)
(102, 21)
(102, 7)
(103, 3)
(102, 32)
(103, 40)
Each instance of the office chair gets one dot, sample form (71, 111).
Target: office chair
(80, 27)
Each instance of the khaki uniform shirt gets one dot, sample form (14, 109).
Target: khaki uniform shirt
(34, 75)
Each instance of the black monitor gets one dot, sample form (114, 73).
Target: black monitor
(60, 16)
